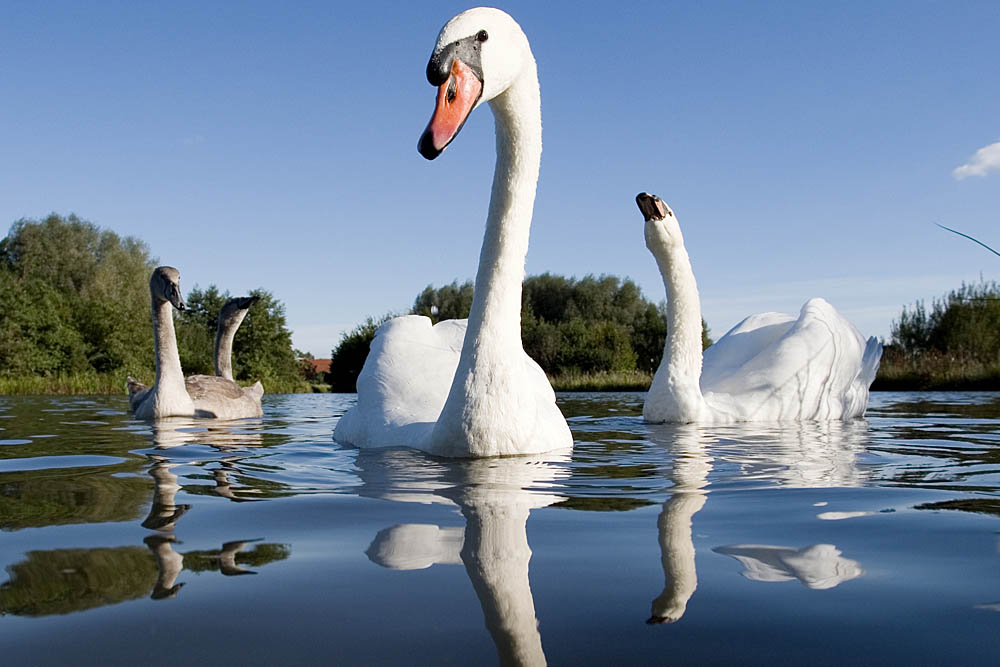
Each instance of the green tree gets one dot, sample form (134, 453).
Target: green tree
(589, 325)
(349, 356)
(74, 299)
(262, 347)
(84, 300)
(963, 325)
(451, 302)
(36, 329)
(196, 328)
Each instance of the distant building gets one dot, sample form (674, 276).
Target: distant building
(320, 366)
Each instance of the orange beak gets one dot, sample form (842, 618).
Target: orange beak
(456, 98)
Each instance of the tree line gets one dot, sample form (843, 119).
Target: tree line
(952, 344)
(589, 325)
(74, 300)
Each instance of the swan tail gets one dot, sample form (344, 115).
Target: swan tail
(870, 361)
(857, 395)
(257, 389)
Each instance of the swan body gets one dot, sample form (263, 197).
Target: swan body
(769, 367)
(467, 388)
(171, 394)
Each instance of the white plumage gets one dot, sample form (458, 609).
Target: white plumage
(769, 367)
(467, 388)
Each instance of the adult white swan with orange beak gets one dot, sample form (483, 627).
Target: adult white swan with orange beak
(466, 387)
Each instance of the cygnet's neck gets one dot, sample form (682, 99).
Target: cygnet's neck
(169, 375)
(224, 336)
(676, 384)
(170, 397)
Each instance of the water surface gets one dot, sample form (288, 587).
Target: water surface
(262, 541)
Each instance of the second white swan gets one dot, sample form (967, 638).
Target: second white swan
(769, 367)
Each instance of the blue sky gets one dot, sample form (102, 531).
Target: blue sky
(806, 147)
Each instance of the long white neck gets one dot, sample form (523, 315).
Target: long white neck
(224, 348)
(479, 417)
(495, 317)
(170, 396)
(675, 394)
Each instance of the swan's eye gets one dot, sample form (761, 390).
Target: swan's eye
(482, 36)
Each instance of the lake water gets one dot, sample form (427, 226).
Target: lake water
(263, 542)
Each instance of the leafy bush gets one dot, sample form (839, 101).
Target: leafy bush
(262, 347)
(74, 304)
(75, 298)
(569, 326)
(964, 325)
(349, 356)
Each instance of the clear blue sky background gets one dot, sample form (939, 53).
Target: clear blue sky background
(806, 147)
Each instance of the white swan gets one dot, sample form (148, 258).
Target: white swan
(769, 367)
(171, 394)
(467, 388)
(231, 316)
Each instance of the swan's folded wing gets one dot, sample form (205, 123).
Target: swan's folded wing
(741, 344)
(404, 382)
(220, 398)
(200, 387)
(809, 372)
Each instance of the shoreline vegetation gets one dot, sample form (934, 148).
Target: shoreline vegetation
(74, 320)
(894, 376)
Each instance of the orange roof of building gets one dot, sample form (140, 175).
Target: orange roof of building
(320, 365)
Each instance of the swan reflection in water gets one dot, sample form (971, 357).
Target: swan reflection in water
(165, 512)
(692, 464)
(819, 566)
(495, 496)
(817, 455)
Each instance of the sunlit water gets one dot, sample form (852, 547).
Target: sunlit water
(263, 542)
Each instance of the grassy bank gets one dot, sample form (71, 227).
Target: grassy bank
(925, 374)
(109, 383)
(935, 372)
(602, 381)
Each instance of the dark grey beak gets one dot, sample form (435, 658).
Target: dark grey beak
(651, 206)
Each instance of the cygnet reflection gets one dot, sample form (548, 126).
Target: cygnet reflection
(224, 436)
